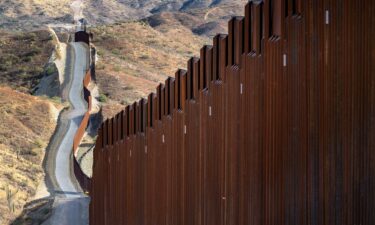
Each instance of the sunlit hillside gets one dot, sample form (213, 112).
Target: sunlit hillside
(134, 58)
(26, 124)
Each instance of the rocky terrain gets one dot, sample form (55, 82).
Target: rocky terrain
(26, 122)
(23, 56)
(26, 125)
(135, 38)
(33, 14)
(134, 58)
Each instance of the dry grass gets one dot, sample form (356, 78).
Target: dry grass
(134, 58)
(22, 58)
(26, 124)
(33, 14)
(31, 7)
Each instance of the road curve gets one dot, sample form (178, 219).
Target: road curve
(71, 204)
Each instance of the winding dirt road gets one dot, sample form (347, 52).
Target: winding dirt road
(71, 204)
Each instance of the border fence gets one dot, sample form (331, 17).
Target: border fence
(274, 124)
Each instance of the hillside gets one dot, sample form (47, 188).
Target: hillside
(23, 56)
(26, 124)
(140, 42)
(33, 14)
(134, 58)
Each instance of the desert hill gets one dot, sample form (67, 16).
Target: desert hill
(134, 58)
(26, 124)
(34, 14)
(23, 56)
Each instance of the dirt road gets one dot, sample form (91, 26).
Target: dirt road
(71, 204)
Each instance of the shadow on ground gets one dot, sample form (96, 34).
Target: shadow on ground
(35, 212)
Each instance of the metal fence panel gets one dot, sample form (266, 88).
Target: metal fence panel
(274, 124)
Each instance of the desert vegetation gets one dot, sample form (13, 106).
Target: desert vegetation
(26, 124)
(23, 56)
(134, 58)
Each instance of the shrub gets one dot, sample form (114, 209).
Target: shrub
(100, 66)
(116, 52)
(125, 102)
(4, 67)
(33, 52)
(144, 57)
(27, 59)
(102, 98)
(56, 99)
(50, 70)
(39, 143)
(128, 88)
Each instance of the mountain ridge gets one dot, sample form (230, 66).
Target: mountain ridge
(33, 14)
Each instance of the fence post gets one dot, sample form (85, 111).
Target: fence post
(196, 79)
(150, 110)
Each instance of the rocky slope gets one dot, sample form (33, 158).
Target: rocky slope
(134, 58)
(33, 14)
(26, 124)
(23, 56)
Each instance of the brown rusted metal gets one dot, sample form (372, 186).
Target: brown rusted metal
(273, 125)
(82, 36)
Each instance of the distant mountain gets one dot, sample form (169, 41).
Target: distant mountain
(203, 17)
(33, 14)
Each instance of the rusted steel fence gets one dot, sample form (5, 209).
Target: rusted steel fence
(274, 124)
(82, 36)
